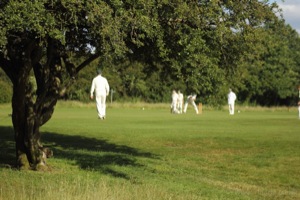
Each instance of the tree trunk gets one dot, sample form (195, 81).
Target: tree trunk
(37, 85)
(26, 118)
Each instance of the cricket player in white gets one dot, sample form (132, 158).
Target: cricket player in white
(174, 102)
(191, 99)
(100, 87)
(231, 101)
(180, 102)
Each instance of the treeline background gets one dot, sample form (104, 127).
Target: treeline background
(261, 63)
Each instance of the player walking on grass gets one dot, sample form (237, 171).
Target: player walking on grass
(100, 87)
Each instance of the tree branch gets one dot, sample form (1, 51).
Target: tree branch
(86, 62)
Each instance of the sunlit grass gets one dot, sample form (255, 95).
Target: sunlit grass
(149, 153)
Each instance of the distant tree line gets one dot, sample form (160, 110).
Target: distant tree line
(261, 65)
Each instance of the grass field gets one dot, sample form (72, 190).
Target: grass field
(138, 154)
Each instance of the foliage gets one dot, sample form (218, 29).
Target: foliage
(202, 55)
(5, 88)
(252, 52)
(6, 92)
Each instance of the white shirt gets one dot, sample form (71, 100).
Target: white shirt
(180, 97)
(174, 98)
(99, 86)
(191, 98)
(231, 97)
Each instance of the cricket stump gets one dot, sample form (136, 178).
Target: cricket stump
(200, 108)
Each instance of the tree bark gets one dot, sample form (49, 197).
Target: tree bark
(29, 152)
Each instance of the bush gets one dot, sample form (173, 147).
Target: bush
(6, 92)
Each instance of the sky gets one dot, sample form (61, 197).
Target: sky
(291, 12)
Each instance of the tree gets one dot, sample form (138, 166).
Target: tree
(38, 40)
(270, 75)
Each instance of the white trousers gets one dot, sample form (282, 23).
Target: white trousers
(231, 108)
(179, 106)
(101, 105)
(193, 104)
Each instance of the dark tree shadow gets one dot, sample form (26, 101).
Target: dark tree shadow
(87, 153)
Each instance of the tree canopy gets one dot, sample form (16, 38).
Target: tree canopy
(198, 46)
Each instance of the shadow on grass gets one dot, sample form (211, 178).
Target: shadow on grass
(87, 153)
(7, 147)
